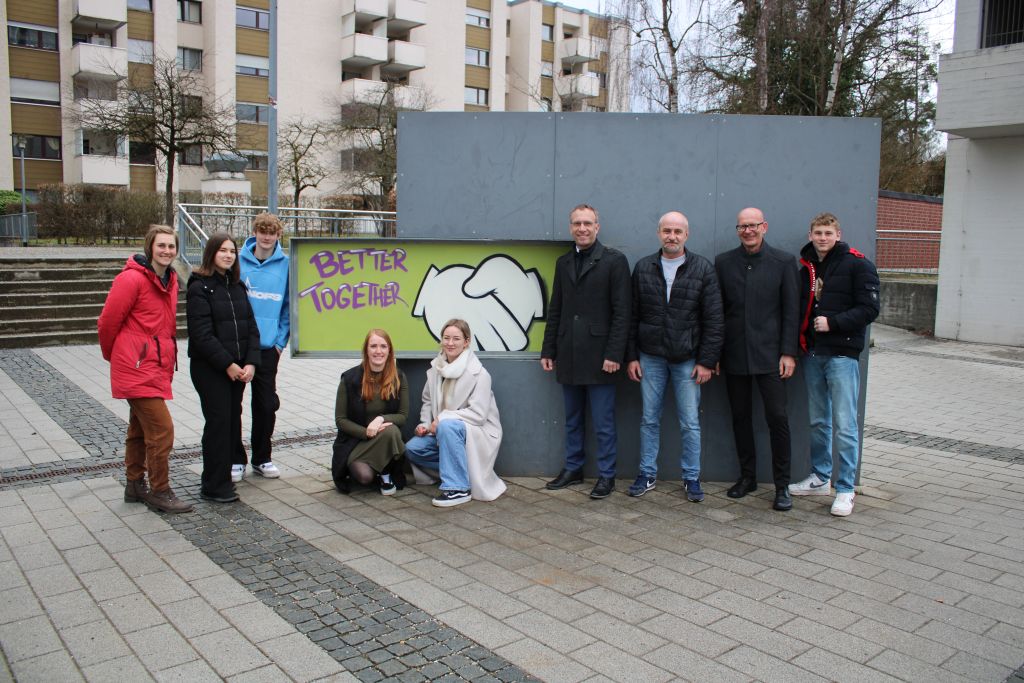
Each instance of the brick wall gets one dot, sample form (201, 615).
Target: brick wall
(916, 251)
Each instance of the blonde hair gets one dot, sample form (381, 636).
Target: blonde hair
(267, 222)
(825, 219)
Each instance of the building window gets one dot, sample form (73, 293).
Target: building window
(252, 113)
(247, 17)
(37, 146)
(545, 104)
(602, 79)
(1003, 23)
(141, 5)
(478, 17)
(547, 32)
(190, 58)
(190, 11)
(478, 57)
(258, 161)
(25, 36)
(547, 69)
(97, 143)
(34, 92)
(192, 156)
(251, 65)
(141, 153)
(190, 105)
(476, 96)
(140, 51)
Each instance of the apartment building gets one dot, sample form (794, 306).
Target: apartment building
(444, 55)
(981, 106)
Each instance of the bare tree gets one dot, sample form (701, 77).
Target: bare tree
(368, 131)
(168, 107)
(300, 143)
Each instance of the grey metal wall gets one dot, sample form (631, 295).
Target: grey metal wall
(517, 175)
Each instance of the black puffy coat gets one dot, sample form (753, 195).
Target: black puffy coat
(689, 325)
(848, 297)
(588, 317)
(221, 327)
(761, 297)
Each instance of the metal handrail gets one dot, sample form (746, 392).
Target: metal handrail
(197, 221)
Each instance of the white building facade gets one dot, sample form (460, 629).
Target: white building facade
(981, 106)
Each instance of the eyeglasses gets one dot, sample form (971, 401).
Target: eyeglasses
(748, 226)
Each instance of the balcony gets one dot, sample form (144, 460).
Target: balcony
(577, 86)
(359, 51)
(366, 11)
(363, 91)
(405, 15)
(579, 51)
(404, 57)
(103, 170)
(100, 15)
(981, 92)
(99, 62)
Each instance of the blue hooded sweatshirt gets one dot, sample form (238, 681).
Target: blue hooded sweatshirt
(267, 283)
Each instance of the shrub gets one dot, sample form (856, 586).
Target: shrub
(9, 198)
(92, 213)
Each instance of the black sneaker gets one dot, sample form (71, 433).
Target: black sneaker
(387, 488)
(448, 499)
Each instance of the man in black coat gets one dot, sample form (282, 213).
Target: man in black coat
(839, 299)
(760, 293)
(584, 343)
(675, 333)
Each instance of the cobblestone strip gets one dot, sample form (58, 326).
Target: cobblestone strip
(902, 348)
(86, 420)
(939, 443)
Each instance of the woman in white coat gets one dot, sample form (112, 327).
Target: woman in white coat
(459, 431)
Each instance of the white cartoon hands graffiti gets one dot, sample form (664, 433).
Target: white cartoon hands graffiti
(498, 299)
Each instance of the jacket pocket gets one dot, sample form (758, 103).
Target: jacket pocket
(142, 354)
(598, 331)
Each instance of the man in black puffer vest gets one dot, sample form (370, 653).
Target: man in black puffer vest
(676, 333)
(839, 299)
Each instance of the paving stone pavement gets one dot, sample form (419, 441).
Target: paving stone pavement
(924, 582)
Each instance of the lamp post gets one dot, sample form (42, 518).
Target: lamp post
(20, 143)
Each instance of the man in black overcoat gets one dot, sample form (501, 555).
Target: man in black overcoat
(760, 293)
(584, 343)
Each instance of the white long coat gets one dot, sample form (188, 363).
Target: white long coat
(479, 411)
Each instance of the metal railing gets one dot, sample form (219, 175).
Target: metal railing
(908, 251)
(18, 226)
(197, 221)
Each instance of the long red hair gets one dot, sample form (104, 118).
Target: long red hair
(389, 382)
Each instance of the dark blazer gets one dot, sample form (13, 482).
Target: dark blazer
(761, 296)
(588, 318)
(689, 325)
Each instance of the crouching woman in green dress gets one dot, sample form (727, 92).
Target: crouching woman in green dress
(370, 411)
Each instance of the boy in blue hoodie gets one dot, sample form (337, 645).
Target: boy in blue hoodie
(264, 270)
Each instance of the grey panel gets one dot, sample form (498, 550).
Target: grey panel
(506, 175)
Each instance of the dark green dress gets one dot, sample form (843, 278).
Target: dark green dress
(379, 451)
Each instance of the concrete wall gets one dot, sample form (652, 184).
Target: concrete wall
(518, 175)
(908, 303)
(981, 280)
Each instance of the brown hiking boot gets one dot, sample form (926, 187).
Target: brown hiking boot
(135, 491)
(166, 501)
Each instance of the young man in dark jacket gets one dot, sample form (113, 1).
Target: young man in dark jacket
(676, 333)
(839, 299)
(761, 296)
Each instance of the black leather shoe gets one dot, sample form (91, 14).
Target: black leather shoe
(565, 478)
(783, 501)
(603, 488)
(219, 498)
(742, 488)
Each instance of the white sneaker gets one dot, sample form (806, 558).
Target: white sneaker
(268, 470)
(843, 504)
(811, 486)
(237, 472)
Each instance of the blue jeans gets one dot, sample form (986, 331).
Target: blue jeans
(656, 372)
(833, 387)
(445, 453)
(601, 398)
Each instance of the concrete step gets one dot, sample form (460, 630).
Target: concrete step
(54, 324)
(69, 286)
(62, 338)
(50, 274)
(53, 298)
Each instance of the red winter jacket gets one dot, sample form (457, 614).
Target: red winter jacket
(138, 329)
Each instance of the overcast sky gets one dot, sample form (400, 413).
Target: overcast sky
(940, 25)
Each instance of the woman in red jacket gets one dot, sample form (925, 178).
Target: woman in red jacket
(137, 330)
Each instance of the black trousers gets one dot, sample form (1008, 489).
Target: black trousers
(773, 395)
(265, 403)
(221, 401)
